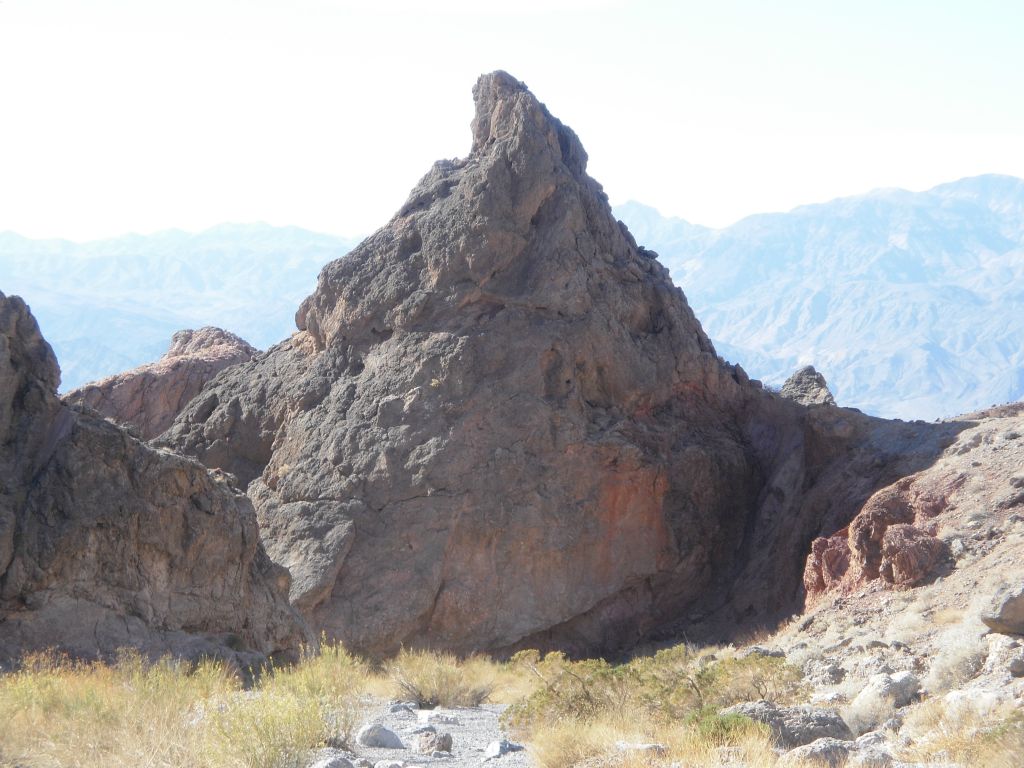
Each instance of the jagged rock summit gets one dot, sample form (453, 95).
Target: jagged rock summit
(499, 424)
(108, 543)
(808, 387)
(150, 396)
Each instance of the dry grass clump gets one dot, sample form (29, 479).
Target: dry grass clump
(581, 709)
(172, 714)
(966, 735)
(434, 679)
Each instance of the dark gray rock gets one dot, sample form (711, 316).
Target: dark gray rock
(794, 726)
(500, 425)
(808, 387)
(823, 752)
(107, 543)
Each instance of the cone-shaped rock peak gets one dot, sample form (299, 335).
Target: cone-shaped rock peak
(500, 424)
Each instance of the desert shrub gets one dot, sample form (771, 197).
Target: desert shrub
(270, 729)
(172, 714)
(330, 677)
(667, 687)
(965, 735)
(440, 679)
(724, 729)
(571, 690)
(60, 712)
(961, 656)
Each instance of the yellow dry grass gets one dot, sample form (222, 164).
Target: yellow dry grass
(62, 714)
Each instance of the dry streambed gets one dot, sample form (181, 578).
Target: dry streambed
(398, 735)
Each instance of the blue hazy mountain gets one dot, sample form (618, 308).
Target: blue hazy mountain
(110, 305)
(910, 303)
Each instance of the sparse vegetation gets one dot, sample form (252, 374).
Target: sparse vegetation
(583, 714)
(58, 712)
(442, 679)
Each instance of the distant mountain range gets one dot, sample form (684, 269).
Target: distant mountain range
(110, 305)
(910, 303)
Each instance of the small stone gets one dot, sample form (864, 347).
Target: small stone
(1017, 666)
(649, 749)
(333, 762)
(377, 736)
(362, 762)
(437, 717)
(400, 709)
(434, 742)
(500, 748)
(389, 764)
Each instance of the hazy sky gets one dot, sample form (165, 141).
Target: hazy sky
(136, 115)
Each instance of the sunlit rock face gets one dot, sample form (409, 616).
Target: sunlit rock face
(499, 423)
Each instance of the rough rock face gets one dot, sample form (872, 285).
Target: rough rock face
(1006, 614)
(106, 542)
(793, 726)
(500, 424)
(808, 387)
(150, 396)
(897, 537)
(889, 539)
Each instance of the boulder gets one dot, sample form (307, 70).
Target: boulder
(1006, 613)
(794, 726)
(429, 743)
(909, 555)
(899, 689)
(501, 748)
(150, 396)
(377, 736)
(808, 387)
(823, 752)
(107, 543)
(499, 425)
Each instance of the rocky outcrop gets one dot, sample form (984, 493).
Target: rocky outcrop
(890, 539)
(500, 424)
(1006, 614)
(793, 726)
(808, 387)
(106, 542)
(906, 531)
(150, 396)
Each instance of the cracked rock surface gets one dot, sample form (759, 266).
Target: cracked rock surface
(150, 396)
(106, 542)
(500, 425)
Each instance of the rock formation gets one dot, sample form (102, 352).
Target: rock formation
(499, 424)
(150, 396)
(807, 386)
(106, 542)
(894, 538)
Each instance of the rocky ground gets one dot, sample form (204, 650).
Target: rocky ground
(398, 735)
(901, 664)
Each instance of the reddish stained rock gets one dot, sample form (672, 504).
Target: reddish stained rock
(909, 555)
(891, 538)
(827, 564)
(499, 424)
(150, 396)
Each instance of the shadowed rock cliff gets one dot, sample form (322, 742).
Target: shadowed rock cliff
(500, 424)
(106, 542)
